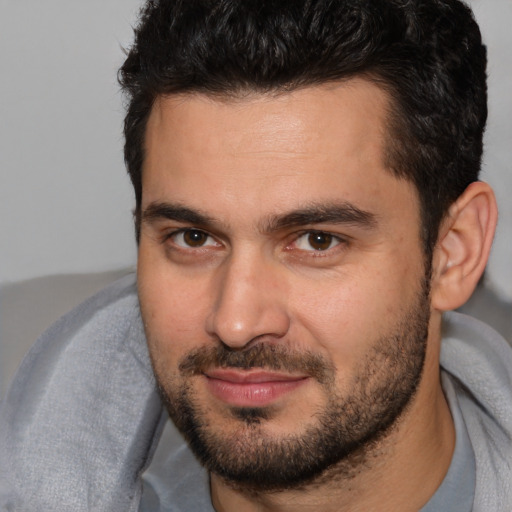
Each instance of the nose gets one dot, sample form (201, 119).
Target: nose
(250, 302)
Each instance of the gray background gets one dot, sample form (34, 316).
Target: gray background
(65, 201)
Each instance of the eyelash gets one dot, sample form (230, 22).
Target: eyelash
(330, 239)
(336, 239)
(184, 231)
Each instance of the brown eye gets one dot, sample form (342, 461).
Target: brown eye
(194, 238)
(316, 241)
(320, 241)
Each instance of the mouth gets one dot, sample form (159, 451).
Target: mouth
(251, 388)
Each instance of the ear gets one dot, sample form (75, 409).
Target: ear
(463, 246)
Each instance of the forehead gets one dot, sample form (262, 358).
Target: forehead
(304, 121)
(263, 152)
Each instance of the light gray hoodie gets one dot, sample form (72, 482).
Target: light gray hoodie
(82, 420)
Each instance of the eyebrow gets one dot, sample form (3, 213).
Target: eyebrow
(332, 213)
(177, 212)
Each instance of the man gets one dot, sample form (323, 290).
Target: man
(307, 208)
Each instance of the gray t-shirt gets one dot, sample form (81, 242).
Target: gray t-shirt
(457, 491)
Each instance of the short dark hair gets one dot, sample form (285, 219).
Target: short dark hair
(427, 54)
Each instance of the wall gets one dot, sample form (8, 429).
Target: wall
(495, 18)
(65, 200)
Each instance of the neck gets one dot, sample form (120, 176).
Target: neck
(400, 472)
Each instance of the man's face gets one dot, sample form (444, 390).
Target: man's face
(281, 278)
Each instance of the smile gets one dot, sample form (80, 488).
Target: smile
(251, 388)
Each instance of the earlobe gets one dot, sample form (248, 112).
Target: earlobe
(463, 247)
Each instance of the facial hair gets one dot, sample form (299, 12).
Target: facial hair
(335, 441)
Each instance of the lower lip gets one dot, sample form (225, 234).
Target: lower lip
(251, 394)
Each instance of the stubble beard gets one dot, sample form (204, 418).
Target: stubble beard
(339, 439)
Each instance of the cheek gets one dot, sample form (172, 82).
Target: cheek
(173, 309)
(346, 316)
(334, 323)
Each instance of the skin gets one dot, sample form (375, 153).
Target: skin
(245, 164)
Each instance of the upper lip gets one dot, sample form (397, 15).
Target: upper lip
(251, 376)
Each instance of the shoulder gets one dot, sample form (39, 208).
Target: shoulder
(92, 335)
(479, 357)
(81, 417)
(478, 361)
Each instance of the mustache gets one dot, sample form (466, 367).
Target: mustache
(272, 357)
